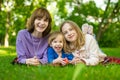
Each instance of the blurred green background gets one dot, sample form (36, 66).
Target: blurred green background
(103, 15)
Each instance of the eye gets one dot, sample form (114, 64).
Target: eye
(46, 20)
(55, 41)
(70, 29)
(65, 32)
(61, 41)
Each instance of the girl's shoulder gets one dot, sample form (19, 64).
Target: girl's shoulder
(23, 31)
(50, 48)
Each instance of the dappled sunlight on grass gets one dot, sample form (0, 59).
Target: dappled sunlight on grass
(7, 48)
(7, 54)
(2, 52)
(9, 51)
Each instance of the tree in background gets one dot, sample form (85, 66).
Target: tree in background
(15, 13)
(105, 21)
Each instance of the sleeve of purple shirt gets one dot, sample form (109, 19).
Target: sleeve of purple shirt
(20, 49)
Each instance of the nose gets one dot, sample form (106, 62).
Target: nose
(42, 21)
(57, 43)
(69, 33)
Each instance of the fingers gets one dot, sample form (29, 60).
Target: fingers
(32, 61)
(75, 61)
(63, 63)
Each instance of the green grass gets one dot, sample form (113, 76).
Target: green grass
(47, 72)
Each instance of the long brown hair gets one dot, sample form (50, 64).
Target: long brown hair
(80, 38)
(39, 13)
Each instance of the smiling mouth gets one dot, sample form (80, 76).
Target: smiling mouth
(58, 48)
(40, 26)
(71, 36)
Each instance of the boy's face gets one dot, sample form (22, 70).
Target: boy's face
(57, 44)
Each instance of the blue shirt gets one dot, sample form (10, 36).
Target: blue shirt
(53, 55)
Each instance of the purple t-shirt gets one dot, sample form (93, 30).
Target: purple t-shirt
(28, 46)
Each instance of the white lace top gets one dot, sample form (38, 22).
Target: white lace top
(90, 52)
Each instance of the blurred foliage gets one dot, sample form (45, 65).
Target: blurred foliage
(20, 11)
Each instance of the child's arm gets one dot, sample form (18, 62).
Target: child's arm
(50, 55)
(58, 60)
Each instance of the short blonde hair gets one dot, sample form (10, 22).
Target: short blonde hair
(53, 35)
(80, 38)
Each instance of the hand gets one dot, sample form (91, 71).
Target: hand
(66, 60)
(32, 61)
(80, 61)
(58, 60)
(77, 53)
(77, 60)
(74, 60)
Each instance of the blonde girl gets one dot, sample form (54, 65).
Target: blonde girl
(83, 47)
(57, 49)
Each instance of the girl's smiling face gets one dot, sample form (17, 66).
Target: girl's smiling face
(40, 24)
(57, 44)
(69, 32)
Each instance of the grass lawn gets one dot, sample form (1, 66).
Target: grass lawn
(47, 72)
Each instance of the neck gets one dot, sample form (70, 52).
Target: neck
(37, 34)
(73, 46)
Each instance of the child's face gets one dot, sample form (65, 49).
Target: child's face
(57, 44)
(69, 32)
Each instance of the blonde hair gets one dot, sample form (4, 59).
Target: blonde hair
(80, 37)
(39, 13)
(53, 35)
